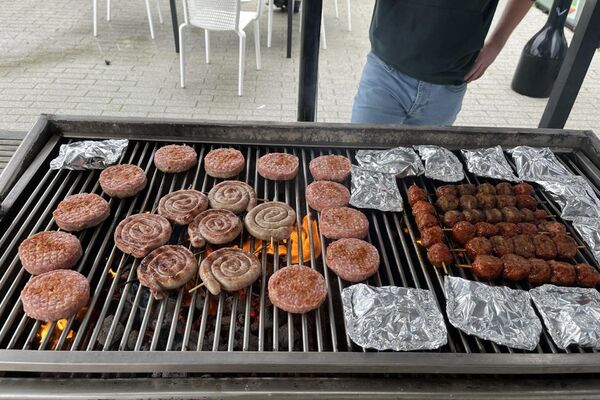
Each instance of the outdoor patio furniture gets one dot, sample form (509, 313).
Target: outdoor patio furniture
(108, 15)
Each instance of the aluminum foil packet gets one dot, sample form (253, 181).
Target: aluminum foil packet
(400, 161)
(589, 230)
(500, 314)
(393, 318)
(441, 164)
(572, 315)
(575, 197)
(89, 154)
(538, 164)
(372, 189)
(489, 163)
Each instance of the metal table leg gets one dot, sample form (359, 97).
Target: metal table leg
(290, 8)
(175, 24)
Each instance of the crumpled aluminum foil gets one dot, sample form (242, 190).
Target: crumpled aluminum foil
(393, 318)
(575, 197)
(400, 161)
(589, 230)
(489, 163)
(572, 315)
(372, 189)
(441, 164)
(500, 314)
(538, 164)
(89, 154)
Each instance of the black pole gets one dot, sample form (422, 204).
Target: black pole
(173, 7)
(309, 60)
(290, 12)
(572, 73)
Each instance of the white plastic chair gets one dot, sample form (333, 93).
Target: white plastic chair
(150, 24)
(220, 15)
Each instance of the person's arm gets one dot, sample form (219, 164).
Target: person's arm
(513, 14)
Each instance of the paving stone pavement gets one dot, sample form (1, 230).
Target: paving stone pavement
(51, 63)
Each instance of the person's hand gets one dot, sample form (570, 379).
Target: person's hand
(486, 57)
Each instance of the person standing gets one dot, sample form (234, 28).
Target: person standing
(423, 55)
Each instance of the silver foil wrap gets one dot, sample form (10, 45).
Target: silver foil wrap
(441, 164)
(500, 314)
(537, 164)
(589, 230)
(400, 161)
(89, 154)
(575, 197)
(372, 189)
(489, 163)
(393, 318)
(572, 315)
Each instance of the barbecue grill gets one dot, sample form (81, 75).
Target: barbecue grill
(125, 333)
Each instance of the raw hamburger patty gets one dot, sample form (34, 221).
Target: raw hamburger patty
(175, 158)
(343, 222)
(330, 168)
(182, 206)
(324, 194)
(167, 267)
(81, 211)
(230, 269)
(123, 180)
(214, 226)
(224, 163)
(278, 166)
(235, 196)
(47, 251)
(352, 259)
(55, 295)
(139, 234)
(297, 289)
(270, 221)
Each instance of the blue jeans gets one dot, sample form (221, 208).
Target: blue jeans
(387, 96)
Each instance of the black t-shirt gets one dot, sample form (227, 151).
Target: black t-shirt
(435, 41)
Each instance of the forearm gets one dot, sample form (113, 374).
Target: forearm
(513, 13)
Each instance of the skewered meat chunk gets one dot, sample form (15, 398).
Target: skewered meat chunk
(474, 216)
(528, 215)
(466, 189)
(431, 236)
(467, 202)
(485, 229)
(423, 207)
(511, 214)
(526, 201)
(587, 276)
(540, 214)
(516, 268)
(524, 188)
(505, 201)
(544, 247)
(563, 274)
(502, 246)
(447, 203)
(439, 255)
(493, 215)
(452, 218)
(487, 267)
(446, 190)
(425, 220)
(486, 188)
(566, 246)
(463, 231)
(416, 194)
(504, 188)
(486, 201)
(524, 246)
(525, 228)
(507, 229)
(478, 246)
(552, 227)
(540, 271)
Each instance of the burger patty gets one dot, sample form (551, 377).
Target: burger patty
(278, 166)
(139, 234)
(167, 267)
(81, 211)
(214, 226)
(175, 158)
(330, 168)
(352, 259)
(272, 220)
(47, 251)
(182, 206)
(229, 269)
(297, 289)
(123, 180)
(325, 194)
(235, 196)
(224, 163)
(343, 222)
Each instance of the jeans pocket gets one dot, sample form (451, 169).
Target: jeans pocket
(457, 88)
(374, 58)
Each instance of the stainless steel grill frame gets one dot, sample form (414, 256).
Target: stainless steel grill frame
(317, 343)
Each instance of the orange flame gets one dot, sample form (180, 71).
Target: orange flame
(44, 330)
